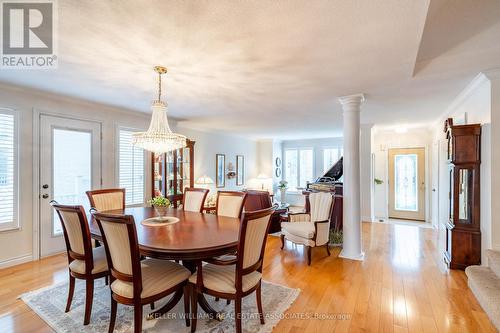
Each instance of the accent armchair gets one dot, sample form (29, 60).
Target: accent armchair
(310, 229)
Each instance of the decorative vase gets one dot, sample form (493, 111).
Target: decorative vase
(161, 211)
(283, 195)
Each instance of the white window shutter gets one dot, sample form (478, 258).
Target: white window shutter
(131, 169)
(8, 174)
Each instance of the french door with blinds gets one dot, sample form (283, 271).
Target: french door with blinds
(70, 165)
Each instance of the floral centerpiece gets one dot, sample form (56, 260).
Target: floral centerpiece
(160, 204)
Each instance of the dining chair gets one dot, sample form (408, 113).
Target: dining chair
(237, 278)
(194, 199)
(107, 199)
(84, 262)
(134, 282)
(310, 229)
(257, 200)
(230, 203)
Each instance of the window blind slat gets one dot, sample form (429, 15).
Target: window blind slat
(131, 168)
(7, 167)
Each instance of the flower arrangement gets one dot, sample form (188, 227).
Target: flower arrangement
(159, 201)
(283, 185)
(160, 204)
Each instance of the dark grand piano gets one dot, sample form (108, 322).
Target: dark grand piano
(331, 181)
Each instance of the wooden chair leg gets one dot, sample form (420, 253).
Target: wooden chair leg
(194, 308)
(327, 249)
(89, 298)
(228, 301)
(282, 241)
(112, 319)
(70, 292)
(138, 318)
(152, 306)
(259, 303)
(186, 304)
(237, 313)
(308, 255)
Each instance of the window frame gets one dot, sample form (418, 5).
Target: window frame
(298, 149)
(16, 223)
(340, 151)
(120, 128)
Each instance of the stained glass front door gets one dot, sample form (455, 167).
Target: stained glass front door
(407, 183)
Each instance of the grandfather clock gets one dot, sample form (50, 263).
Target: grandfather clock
(463, 231)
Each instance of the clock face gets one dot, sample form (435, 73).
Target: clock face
(278, 162)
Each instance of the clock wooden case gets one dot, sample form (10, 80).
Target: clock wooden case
(463, 230)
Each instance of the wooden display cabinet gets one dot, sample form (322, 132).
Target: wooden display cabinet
(173, 172)
(463, 230)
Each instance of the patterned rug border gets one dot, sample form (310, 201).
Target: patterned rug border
(266, 328)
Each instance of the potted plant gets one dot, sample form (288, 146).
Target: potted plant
(160, 204)
(282, 186)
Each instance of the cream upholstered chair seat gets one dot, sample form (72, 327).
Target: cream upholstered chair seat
(300, 229)
(100, 262)
(310, 229)
(222, 278)
(157, 276)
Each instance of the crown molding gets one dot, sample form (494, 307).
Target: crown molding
(492, 74)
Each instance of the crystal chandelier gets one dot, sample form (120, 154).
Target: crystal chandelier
(159, 138)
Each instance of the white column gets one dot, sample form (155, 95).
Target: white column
(352, 247)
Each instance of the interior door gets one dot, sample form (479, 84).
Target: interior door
(407, 183)
(70, 164)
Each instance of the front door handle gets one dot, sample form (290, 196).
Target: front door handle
(45, 196)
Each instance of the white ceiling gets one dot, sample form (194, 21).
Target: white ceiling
(273, 68)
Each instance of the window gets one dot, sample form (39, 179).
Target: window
(8, 170)
(131, 168)
(331, 156)
(298, 167)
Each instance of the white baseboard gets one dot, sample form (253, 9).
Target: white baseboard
(366, 219)
(16, 261)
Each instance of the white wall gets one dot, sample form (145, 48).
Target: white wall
(385, 140)
(208, 144)
(16, 246)
(366, 173)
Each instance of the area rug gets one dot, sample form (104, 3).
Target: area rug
(49, 303)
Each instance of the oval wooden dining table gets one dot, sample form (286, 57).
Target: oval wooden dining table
(197, 236)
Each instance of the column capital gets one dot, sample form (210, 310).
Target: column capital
(352, 100)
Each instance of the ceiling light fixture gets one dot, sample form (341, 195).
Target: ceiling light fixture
(159, 138)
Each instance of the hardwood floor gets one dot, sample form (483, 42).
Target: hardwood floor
(402, 286)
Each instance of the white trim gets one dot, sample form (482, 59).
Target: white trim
(16, 223)
(492, 74)
(465, 93)
(366, 219)
(36, 185)
(16, 261)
